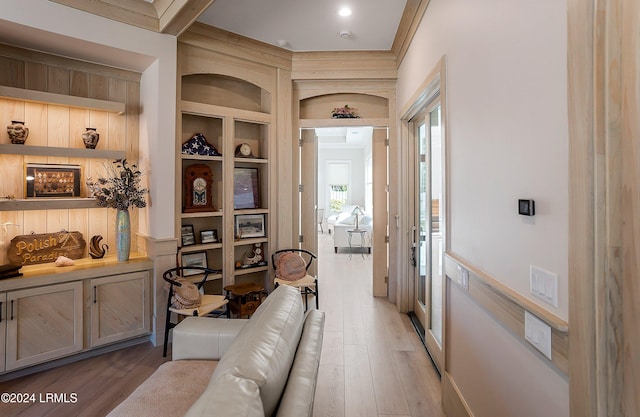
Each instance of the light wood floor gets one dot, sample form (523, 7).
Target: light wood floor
(372, 364)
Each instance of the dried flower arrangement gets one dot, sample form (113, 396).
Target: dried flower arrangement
(121, 188)
(345, 112)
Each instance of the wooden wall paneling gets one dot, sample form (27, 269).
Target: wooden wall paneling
(58, 80)
(630, 50)
(20, 55)
(100, 121)
(249, 50)
(11, 72)
(34, 222)
(197, 60)
(79, 119)
(98, 87)
(286, 136)
(79, 221)
(10, 110)
(58, 126)
(36, 118)
(79, 84)
(16, 218)
(57, 220)
(344, 65)
(117, 122)
(35, 76)
(98, 226)
(132, 113)
(11, 184)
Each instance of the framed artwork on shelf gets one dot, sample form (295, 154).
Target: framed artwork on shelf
(194, 259)
(188, 236)
(246, 193)
(250, 225)
(52, 180)
(209, 236)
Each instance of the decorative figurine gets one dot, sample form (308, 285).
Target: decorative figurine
(96, 250)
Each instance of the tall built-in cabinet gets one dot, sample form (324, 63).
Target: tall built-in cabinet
(228, 112)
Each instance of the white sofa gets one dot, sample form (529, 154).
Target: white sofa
(264, 366)
(340, 223)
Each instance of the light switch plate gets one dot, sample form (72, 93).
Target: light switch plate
(463, 277)
(538, 333)
(544, 285)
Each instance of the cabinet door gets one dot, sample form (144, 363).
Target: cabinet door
(43, 323)
(3, 328)
(120, 307)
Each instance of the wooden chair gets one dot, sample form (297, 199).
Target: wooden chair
(308, 285)
(208, 302)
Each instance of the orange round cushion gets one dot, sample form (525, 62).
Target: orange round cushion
(291, 267)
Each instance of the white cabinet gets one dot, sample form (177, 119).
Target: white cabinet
(43, 323)
(120, 307)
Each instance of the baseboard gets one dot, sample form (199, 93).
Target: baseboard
(453, 403)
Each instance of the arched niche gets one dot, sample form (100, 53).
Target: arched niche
(226, 91)
(368, 106)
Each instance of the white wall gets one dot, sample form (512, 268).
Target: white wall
(51, 27)
(507, 138)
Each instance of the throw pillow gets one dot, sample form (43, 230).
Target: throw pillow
(185, 296)
(291, 267)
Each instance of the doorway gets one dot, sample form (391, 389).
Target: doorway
(427, 240)
(334, 180)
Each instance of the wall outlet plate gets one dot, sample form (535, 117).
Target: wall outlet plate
(463, 277)
(538, 333)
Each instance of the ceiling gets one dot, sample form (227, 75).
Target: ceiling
(309, 25)
(296, 25)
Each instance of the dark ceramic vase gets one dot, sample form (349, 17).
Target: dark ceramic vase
(18, 132)
(90, 138)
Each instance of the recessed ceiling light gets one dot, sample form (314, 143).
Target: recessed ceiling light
(344, 12)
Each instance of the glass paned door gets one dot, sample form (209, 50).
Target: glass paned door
(428, 240)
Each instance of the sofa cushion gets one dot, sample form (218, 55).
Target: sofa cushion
(264, 349)
(171, 390)
(297, 400)
(229, 396)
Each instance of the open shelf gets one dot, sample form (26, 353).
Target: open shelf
(61, 99)
(47, 204)
(200, 247)
(13, 149)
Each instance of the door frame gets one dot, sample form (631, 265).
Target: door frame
(432, 88)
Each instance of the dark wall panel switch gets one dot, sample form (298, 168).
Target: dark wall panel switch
(526, 207)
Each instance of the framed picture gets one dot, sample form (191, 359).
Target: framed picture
(246, 193)
(52, 180)
(194, 259)
(188, 236)
(209, 236)
(250, 225)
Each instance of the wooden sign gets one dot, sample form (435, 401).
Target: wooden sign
(46, 247)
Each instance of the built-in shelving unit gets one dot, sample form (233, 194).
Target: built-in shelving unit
(211, 106)
(47, 204)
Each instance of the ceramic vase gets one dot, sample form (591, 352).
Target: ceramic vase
(18, 132)
(123, 235)
(90, 138)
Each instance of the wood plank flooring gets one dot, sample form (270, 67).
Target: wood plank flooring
(372, 363)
